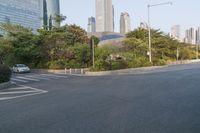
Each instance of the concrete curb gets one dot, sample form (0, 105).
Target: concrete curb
(124, 71)
(5, 85)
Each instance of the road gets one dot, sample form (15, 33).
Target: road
(163, 101)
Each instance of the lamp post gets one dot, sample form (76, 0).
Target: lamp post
(149, 26)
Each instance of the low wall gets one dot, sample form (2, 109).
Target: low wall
(63, 71)
(4, 85)
(123, 71)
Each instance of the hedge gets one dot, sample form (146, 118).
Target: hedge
(5, 74)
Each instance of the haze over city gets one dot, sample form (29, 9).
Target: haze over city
(182, 12)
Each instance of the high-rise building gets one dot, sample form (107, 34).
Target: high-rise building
(50, 13)
(198, 36)
(190, 36)
(125, 23)
(91, 25)
(143, 26)
(21, 12)
(176, 32)
(104, 16)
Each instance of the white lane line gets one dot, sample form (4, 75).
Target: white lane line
(16, 92)
(19, 80)
(31, 79)
(48, 77)
(37, 77)
(39, 90)
(9, 98)
(34, 92)
(18, 88)
(52, 75)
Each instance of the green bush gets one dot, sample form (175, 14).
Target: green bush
(159, 62)
(5, 73)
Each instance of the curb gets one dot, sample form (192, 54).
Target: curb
(5, 85)
(124, 71)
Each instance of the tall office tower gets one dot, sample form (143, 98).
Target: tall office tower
(125, 23)
(143, 26)
(21, 12)
(198, 36)
(104, 16)
(53, 10)
(113, 18)
(91, 25)
(190, 36)
(176, 32)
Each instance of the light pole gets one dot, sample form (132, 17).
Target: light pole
(197, 51)
(149, 25)
(93, 56)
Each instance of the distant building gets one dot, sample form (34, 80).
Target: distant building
(21, 12)
(198, 36)
(190, 36)
(125, 23)
(113, 18)
(50, 12)
(143, 25)
(176, 32)
(91, 25)
(104, 16)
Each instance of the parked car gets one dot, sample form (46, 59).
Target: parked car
(20, 68)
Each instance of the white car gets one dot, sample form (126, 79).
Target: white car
(21, 68)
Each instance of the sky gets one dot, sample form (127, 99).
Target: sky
(182, 12)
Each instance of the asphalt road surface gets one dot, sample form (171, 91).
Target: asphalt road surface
(162, 101)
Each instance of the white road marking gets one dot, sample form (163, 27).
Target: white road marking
(18, 88)
(13, 82)
(37, 77)
(9, 98)
(52, 75)
(31, 79)
(33, 92)
(19, 80)
(16, 92)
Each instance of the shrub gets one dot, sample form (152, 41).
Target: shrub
(5, 73)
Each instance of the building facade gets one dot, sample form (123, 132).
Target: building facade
(190, 36)
(104, 16)
(50, 12)
(198, 36)
(125, 23)
(21, 12)
(176, 32)
(91, 25)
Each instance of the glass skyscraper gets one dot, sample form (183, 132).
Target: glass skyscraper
(91, 25)
(50, 10)
(22, 12)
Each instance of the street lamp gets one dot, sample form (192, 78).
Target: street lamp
(149, 26)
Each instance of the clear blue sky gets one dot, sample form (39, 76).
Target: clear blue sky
(183, 12)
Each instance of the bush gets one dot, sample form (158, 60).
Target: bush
(5, 73)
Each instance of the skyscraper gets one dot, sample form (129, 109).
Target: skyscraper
(198, 36)
(104, 16)
(50, 12)
(22, 12)
(175, 32)
(125, 23)
(91, 25)
(190, 36)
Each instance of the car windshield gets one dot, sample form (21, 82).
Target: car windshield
(21, 65)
